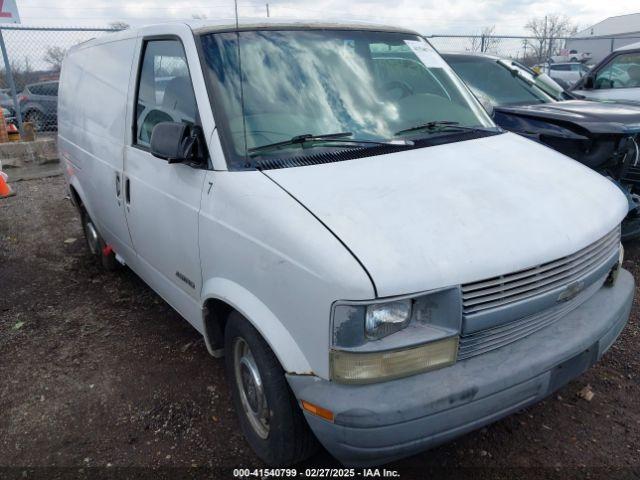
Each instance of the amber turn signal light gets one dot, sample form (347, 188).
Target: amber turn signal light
(319, 411)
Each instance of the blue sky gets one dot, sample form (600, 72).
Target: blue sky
(426, 16)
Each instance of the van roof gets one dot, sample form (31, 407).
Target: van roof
(199, 26)
(204, 26)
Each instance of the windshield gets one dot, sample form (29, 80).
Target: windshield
(502, 85)
(353, 85)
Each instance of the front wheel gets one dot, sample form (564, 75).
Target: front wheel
(96, 244)
(270, 418)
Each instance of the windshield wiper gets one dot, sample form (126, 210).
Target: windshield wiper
(444, 126)
(331, 137)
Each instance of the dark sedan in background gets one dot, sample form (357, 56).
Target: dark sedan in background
(602, 135)
(38, 104)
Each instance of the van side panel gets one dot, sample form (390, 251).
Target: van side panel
(91, 116)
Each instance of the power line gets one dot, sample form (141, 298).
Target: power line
(386, 18)
(175, 7)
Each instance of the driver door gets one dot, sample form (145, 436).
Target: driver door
(162, 200)
(619, 79)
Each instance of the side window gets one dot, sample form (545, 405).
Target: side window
(35, 89)
(622, 71)
(49, 89)
(164, 90)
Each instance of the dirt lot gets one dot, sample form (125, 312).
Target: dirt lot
(97, 371)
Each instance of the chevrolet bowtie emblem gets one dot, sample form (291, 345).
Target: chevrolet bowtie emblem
(571, 292)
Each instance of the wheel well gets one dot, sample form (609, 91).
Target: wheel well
(75, 197)
(215, 315)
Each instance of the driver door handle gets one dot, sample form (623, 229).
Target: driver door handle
(127, 190)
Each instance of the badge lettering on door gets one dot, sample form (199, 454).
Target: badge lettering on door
(185, 280)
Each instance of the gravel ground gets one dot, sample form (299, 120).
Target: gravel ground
(98, 374)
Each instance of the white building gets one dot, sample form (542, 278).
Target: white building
(604, 37)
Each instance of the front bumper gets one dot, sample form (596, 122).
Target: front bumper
(378, 423)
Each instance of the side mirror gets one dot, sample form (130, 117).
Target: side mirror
(177, 143)
(588, 83)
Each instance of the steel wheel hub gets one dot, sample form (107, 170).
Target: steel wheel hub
(249, 383)
(92, 237)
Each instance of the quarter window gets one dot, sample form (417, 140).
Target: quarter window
(164, 92)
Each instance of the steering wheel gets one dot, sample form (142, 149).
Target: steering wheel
(604, 83)
(401, 85)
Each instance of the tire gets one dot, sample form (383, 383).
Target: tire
(37, 119)
(288, 439)
(96, 244)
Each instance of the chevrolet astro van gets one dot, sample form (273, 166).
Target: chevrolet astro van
(382, 268)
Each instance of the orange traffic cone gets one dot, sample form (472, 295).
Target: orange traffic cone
(13, 133)
(5, 190)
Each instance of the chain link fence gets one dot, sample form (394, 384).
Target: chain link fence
(533, 50)
(34, 55)
(29, 72)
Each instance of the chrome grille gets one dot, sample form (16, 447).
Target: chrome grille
(505, 289)
(492, 338)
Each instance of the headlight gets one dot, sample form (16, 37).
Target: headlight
(381, 340)
(349, 367)
(383, 319)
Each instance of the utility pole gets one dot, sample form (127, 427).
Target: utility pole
(235, 3)
(545, 36)
(268, 15)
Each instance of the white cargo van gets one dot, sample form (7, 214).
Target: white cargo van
(383, 268)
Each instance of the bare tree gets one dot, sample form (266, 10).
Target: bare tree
(485, 41)
(198, 16)
(118, 25)
(54, 56)
(23, 74)
(549, 32)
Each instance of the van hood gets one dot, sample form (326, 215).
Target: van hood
(456, 213)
